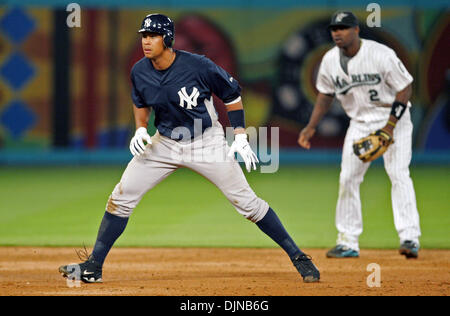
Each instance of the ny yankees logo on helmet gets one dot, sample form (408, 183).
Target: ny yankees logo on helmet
(161, 24)
(190, 100)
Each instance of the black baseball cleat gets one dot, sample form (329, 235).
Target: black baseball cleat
(88, 271)
(409, 249)
(306, 267)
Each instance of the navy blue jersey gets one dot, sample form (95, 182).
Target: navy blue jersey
(183, 92)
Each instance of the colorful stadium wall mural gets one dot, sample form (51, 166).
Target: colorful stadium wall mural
(64, 87)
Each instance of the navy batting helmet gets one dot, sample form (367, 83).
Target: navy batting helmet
(161, 24)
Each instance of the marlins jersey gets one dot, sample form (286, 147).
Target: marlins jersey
(181, 95)
(369, 86)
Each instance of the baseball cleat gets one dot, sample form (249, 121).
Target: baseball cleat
(306, 268)
(88, 271)
(341, 251)
(409, 249)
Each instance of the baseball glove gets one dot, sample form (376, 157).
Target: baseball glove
(373, 146)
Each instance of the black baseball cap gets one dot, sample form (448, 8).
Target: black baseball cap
(343, 18)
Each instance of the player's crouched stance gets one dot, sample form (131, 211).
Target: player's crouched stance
(374, 88)
(178, 86)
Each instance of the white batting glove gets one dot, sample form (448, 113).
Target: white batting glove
(241, 146)
(137, 146)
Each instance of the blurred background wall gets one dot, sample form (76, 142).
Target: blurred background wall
(65, 91)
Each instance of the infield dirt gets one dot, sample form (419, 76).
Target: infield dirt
(223, 272)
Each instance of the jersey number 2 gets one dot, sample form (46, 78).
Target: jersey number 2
(374, 95)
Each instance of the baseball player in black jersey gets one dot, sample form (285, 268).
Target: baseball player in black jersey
(178, 87)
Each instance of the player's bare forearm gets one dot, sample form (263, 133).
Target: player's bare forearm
(323, 104)
(321, 107)
(141, 116)
(404, 95)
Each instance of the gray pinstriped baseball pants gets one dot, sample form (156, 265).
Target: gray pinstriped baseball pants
(205, 155)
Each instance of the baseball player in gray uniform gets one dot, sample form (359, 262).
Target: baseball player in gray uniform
(374, 89)
(178, 87)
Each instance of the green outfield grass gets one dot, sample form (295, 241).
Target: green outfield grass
(64, 206)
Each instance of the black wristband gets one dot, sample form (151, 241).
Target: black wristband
(398, 109)
(237, 118)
